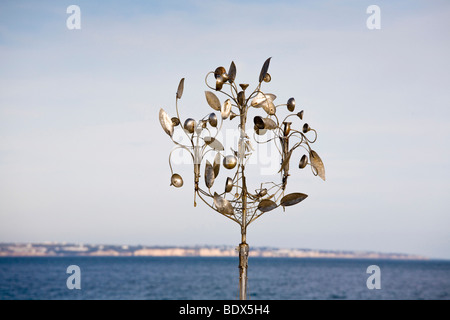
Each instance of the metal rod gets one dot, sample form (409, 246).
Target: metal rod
(243, 246)
(243, 265)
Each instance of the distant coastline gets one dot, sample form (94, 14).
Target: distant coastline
(53, 249)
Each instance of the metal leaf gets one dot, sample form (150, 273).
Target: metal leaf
(266, 205)
(180, 89)
(257, 102)
(232, 72)
(225, 109)
(269, 107)
(241, 98)
(285, 164)
(214, 143)
(166, 122)
(292, 198)
(270, 124)
(223, 205)
(317, 164)
(212, 100)
(264, 69)
(216, 165)
(209, 174)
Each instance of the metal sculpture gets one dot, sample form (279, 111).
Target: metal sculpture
(235, 201)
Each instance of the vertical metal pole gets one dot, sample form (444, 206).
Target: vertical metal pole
(243, 246)
(243, 264)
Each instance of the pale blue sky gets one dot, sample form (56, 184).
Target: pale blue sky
(84, 159)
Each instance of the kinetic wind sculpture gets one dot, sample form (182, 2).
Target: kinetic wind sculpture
(235, 201)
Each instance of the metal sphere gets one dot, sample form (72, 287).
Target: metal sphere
(267, 78)
(306, 128)
(189, 125)
(229, 162)
(219, 71)
(259, 122)
(175, 121)
(212, 119)
(229, 185)
(303, 162)
(176, 180)
(287, 128)
(291, 104)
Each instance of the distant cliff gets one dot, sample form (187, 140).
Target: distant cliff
(67, 249)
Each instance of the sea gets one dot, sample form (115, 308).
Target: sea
(214, 278)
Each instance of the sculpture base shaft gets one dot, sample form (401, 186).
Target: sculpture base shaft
(243, 265)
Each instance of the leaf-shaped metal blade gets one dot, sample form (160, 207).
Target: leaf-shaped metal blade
(269, 107)
(209, 174)
(223, 205)
(212, 100)
(285, 163)
(180, 89)
(232, 72)
(241, 98)
(214, 143)
(257, 102)
(292, 198)
(270, 124)
(317, 164)
(266, 205)
(264, 70)
(166, 122)
(225, 109)
(216, 165)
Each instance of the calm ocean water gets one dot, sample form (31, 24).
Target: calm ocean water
(217, 278)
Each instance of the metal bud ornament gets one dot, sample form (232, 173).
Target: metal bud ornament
(176, 180)
(189, 125)
(250, 199)
(229, 162)
(291, 104)
(212, 119)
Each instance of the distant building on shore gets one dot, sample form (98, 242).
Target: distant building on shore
(51, 249)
